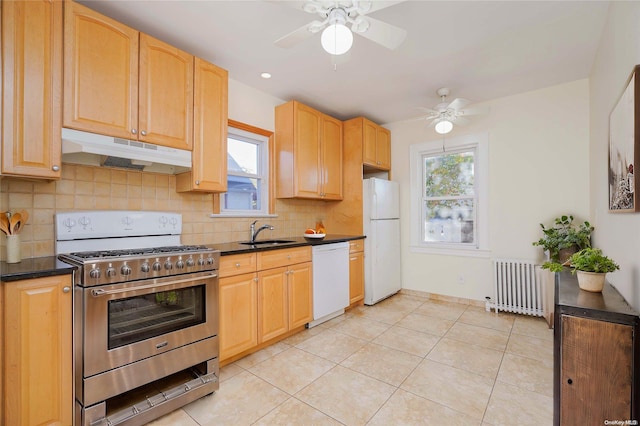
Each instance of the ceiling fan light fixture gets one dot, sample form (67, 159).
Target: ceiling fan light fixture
(444, 126)
(336, 39)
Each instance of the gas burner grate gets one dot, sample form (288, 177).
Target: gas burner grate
(138, 252)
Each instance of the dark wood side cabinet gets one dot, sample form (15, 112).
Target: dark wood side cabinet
(596, 356)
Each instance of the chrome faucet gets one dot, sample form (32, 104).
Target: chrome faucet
(254, 233)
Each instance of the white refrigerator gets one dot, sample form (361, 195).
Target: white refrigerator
(381, 216)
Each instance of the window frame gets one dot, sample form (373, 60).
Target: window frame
(265, 139)
(478, 143)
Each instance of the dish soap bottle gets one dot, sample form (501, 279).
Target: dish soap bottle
(320, 228)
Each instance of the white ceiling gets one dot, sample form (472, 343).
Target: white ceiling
(481, 50)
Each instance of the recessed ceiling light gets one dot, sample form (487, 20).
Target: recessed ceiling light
(265, 75)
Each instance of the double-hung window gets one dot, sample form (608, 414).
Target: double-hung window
(247, 174)
(449, 195)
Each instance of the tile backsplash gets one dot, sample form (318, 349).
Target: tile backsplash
(95, 188)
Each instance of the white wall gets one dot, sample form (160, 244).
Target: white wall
(252, 106)
(538, 160)
(617, 234)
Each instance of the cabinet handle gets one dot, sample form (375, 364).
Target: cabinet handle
(570, 381)
(197, 182)
(134, 131)
(237, 265)
(143, 133)
(55, 168)
(66, 289)
(256, 279)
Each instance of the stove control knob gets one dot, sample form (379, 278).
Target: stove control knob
(168, 265)
(180, 264)
(190, 262)
(94, 273)
(125, 270)
(110, 272)
(156, 266)
(201, 261)
(145, 267)
(209, 260)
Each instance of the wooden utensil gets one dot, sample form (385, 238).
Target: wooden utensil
(4, 223)
(15, 220)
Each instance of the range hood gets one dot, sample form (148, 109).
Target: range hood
(98, 150)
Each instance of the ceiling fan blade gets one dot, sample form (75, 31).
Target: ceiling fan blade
(474, 111)
(458, 104)
(297, 36)
(384, 34)
(373, 6)
(461, 121)
(428, 110)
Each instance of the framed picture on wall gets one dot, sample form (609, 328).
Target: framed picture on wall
(624, 148)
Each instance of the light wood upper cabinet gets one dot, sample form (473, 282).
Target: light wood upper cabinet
(309, 153)
(165, 103)
(209, 171)
(31, 88)
(122, 83)
(100, 73)
(37, 351)
(376, 142)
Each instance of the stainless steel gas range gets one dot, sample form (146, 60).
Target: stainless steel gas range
(145, 315)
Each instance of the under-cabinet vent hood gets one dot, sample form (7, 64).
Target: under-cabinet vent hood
(98, 150)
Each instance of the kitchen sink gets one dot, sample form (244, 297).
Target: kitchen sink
(266, 242)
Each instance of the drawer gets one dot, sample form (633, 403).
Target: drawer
(237, 264)
(276, 258)
(356, 245)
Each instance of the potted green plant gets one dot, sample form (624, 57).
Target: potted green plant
(564, 238)
(591, 267)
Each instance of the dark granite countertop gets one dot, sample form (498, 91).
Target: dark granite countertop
(35, 267)
(237, 248)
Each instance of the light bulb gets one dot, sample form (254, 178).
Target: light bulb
(444, 126)
(336, 39)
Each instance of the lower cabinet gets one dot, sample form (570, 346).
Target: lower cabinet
(356, 271)
(263, 296)
(595, 356)
(37, 351)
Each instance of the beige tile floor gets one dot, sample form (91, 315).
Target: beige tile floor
(405, 361)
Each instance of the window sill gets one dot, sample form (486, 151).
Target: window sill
(464, 252)
(213, 215)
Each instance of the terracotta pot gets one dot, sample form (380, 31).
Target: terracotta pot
(591, 281)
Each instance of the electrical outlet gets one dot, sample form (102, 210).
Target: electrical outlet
(460, 279)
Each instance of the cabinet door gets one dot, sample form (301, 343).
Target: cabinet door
(307, 174)
(166, 94)
(331, 158)
(272, 304)
(369, 130)
(31, 88)
(38, 363)
(383, 148)
(596, 374)
(356, 277)
(300, 292)
(238, 297)
(100, 73)
(209, 171)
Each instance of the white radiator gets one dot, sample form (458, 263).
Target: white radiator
(518, 287)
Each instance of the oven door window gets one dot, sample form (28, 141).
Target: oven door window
(138, 318)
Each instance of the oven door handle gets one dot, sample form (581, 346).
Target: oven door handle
(101, 292)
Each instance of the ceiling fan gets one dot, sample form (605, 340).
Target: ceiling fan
(444, 115)
(337, 16)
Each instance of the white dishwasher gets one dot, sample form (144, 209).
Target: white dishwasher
(330, 281)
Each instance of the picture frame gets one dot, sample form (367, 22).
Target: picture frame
(624, 148)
